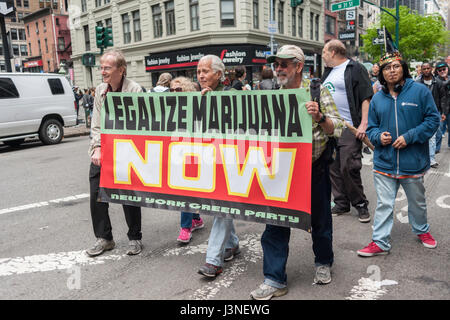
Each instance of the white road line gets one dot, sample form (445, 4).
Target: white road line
(368, 289)
(51, 262)
(44, 203)
(253, 253)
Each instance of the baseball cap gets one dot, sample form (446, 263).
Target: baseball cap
(288, 52)
(441, 64)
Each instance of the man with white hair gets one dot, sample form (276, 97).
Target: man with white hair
(223, 244)
(114, 70)
(288, 64)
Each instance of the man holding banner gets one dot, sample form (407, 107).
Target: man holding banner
(288, 64)
(114, 69)
(223, 243)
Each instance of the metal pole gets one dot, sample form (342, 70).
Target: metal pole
(397, 24)
(271, 34)
(5, 44)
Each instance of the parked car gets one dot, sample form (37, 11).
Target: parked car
(35, 105)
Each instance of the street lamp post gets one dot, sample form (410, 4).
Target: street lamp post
(396, 17)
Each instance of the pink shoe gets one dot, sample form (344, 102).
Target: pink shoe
(371, 250)
(197, 224)
(185, 235)
(427, 240)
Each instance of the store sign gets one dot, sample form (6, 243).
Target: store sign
(181, 59)
(32, 64)
(348, 35)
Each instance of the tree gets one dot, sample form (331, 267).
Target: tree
(421, 37)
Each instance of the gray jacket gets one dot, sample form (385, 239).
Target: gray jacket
(127, 86)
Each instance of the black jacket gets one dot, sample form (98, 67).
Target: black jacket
(358, 87)
(446, 84)
(437, 89)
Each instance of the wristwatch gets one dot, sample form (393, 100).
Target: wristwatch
(322, 120)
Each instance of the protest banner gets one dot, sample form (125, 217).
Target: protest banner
(239, 154)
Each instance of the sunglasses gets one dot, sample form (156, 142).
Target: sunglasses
(176, 89)
(441, 70)
(283, 64)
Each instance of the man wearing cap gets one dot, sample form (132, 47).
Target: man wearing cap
(402, 118)
(436, 87)
(349, 84)
(442, 74)
(288, 64)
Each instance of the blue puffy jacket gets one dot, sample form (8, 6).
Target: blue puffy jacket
(413, 115)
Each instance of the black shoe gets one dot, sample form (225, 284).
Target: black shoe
(210, 270)
(363, 212)
(231, 253)
(336, 211)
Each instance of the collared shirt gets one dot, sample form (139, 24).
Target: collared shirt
(328, 108)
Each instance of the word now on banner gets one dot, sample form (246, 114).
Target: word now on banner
(237, 154)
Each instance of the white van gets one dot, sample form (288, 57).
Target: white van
(35, 105)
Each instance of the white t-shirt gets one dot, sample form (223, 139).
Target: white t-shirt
(335, 83)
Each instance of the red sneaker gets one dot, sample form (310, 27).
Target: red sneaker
(427, 240)
(197, 224)
(371, 250)
(185, 235)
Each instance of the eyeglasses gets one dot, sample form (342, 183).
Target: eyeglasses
(394, 67)
(442, 70)
(176, 89)
(283, 64)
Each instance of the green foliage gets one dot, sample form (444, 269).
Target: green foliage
(421, 37)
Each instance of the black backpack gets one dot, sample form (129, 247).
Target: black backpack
(329, 152)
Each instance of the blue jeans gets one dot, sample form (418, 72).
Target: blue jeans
(275, 239)
(432, 148)
(386, 189)
(222, 236)
(444, 126)
(186, 219)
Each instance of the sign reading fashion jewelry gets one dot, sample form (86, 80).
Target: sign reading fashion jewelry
(238, 154)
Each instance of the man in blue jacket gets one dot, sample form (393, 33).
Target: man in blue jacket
(402, 118)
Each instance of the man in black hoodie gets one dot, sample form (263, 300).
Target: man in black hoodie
(442, 74)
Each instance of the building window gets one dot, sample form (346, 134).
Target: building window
(126, 28)
(20, 16)
(281, 17)
(44, 25)
(108, 23)
(300, 23)
(255, 14)
(39, 46)
(18, 3)
(157, 21)
(29, 46)
(327, 4)
(61, 44)
(107, 1)
(28, 30)
(87, 42)
(330, 25)
(361, 21)
(15, 48)
(98, 3)
(83, 6)
(311, 24)
(22, 35)
(170, 17)
(137, 26)
(46, 45)
(294, 20)
(193, 8)
(37, 27)
(26, 3)
(317, 28)
(13, 33)
(57, 21)
(23, 50)
(227, 13)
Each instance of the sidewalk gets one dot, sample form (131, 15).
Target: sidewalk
(76, 131)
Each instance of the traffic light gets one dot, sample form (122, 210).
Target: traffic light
(100, 36)
(295, 3)
(108, 38)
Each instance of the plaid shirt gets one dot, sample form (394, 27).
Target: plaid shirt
(327, 107)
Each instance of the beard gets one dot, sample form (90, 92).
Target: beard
(284, 81)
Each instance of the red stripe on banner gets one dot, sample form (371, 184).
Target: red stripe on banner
(299, 194)
(171, 66)
(264, 61)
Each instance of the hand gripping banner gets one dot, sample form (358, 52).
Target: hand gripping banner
(237, 154)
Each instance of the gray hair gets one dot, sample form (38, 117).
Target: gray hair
(119, 56)
(216, 65)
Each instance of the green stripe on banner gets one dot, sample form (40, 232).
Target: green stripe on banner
(273, 116)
